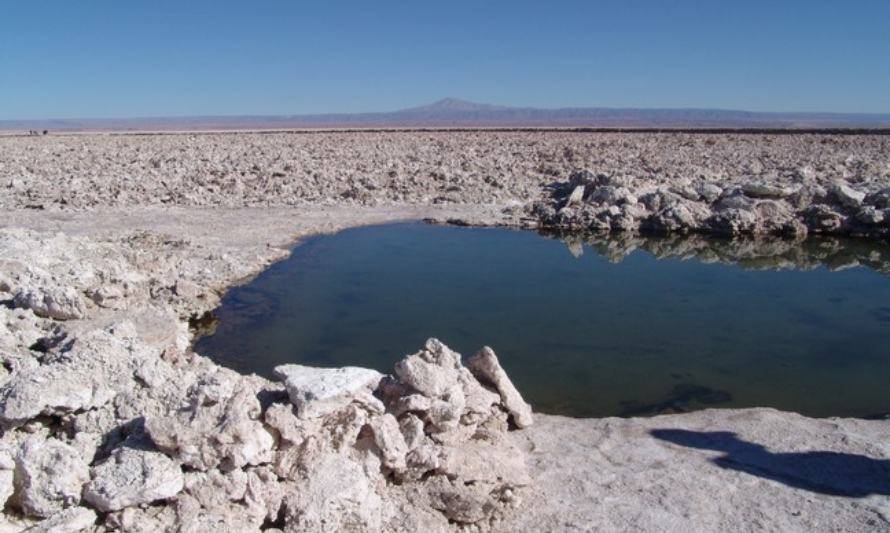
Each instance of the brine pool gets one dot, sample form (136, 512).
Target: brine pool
(584, 326)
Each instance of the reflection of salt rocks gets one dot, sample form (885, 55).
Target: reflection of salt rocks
(575, 246)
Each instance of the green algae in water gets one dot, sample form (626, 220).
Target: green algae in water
(598, 327)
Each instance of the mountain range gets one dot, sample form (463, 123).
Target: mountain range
(456, 113)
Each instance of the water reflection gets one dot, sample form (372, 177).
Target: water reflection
(763, 253)
(632, 325)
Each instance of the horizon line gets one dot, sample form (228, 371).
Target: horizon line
(481, 107)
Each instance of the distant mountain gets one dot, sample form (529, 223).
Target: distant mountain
(454, 105)
(455, 113)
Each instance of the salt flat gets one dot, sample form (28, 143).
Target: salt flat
(110, 244)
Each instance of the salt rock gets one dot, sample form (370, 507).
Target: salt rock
(411, 402)
(264, 493)
(847, 195)
(427, 378)
(70, 520)
(231, 517)
(766, 190)
(486, 367)
(445, 413)
(108, 296)
(90, 373)
(6, 486)
(133, 477)
(709, 192)
(61, 303)
(318, 391)
(576, 196)
(215, 488)
(49, 476)
(432, 371)
(390, 440)
(217, 425)
(412, 430)
(478, 399)
(335, 495)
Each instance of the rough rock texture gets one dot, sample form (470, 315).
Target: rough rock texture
(319, 391)
(70, 520)
(105, 260)
(374, 168)
(790, 203)
(49, 476)
(215, 424)
(110, 415)
(132, 477)
(485, 366)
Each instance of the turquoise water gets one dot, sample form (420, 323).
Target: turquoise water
(585, 328)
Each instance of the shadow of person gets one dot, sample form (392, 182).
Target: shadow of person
(834, 473)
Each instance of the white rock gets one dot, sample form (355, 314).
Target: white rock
(61, 303)
(133, 477)
(485, 366)
(412, 430)
(412, 402)
(6, 486)
(847, 195)
(445, 412)
(319, 391)
(766, 190)
(108, 296)
(336, 495)
(49, 476)
(389, 439)
(709, 191)
(218, 426)
(264, 493)
(576, 196)
(479, 400)
(428, 378)
(97, 366)
(70, 520)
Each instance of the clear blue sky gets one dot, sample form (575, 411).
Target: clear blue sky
(64, 59)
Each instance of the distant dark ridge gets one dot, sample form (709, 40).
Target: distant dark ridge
(453, 113)
(311, 131)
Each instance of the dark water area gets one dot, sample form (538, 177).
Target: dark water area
(585, 326)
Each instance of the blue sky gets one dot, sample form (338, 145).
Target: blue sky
(66, 59)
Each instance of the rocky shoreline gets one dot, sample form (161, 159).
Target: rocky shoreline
(110, 422)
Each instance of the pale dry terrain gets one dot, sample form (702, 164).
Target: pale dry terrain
(110, 244)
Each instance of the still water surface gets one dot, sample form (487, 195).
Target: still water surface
(607, 326)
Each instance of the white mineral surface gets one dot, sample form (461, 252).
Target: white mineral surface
(109, 244)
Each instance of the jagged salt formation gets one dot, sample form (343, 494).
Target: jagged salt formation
(385, 168)
(110, 422)
(792, 206)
